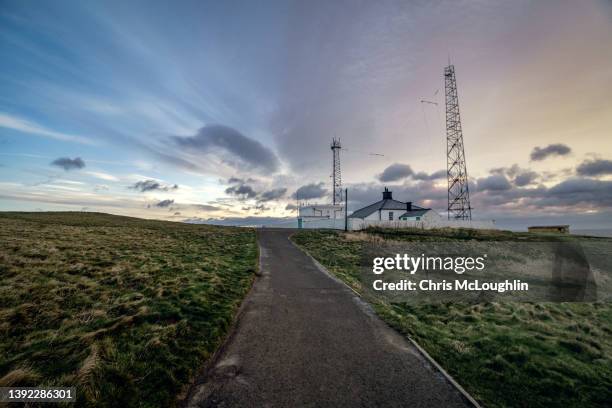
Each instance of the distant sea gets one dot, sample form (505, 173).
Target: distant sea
(600, 232)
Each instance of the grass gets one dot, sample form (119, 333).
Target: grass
(505, 354)
(124, 309)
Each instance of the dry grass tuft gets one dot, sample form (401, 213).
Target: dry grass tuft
(89, 364)
(20, 377)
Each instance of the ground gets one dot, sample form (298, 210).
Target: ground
(124, 309)
(305, 339)
(505, 354)
(129, 310)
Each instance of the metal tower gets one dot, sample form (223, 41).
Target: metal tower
(458, 190)
(336, 175)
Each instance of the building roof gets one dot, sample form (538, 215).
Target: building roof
(387, 203)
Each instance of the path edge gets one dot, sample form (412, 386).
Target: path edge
(203, 373)
(416, 345)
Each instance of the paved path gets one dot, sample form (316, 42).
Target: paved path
(305, 340)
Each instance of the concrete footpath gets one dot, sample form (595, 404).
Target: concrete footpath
(305, 339)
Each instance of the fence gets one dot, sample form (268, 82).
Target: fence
(356, 224)
(359, 224)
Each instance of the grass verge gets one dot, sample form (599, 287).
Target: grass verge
(504, 354)
(124, 309)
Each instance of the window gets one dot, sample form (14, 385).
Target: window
(390, 215)
(418, 218)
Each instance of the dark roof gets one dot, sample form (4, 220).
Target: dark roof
(414, 213)
(386, 204)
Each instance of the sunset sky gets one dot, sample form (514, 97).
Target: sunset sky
(194, 110)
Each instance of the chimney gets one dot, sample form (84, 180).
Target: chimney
(387, 194)
(409, 206)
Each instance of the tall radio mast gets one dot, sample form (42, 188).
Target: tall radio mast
(458, 190)
(336, 174)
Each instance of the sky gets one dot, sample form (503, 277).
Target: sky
(222, 111)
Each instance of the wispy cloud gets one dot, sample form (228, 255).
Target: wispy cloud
(102, 176)
(22, 125)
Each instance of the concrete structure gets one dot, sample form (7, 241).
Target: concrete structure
(321, 216)
(560, 229)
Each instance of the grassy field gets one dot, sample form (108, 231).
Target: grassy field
(505, 354)
(124, 309)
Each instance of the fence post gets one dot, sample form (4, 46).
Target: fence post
(345, 209)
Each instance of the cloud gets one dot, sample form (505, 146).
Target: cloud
(520, 176)
(69, 164)
(576, 193)
(248, 151)
(396, 171)
(243, 191)
(291, 207)
(261, 208)
(102, 176)
(237, 180)
(152, 185)
(511, 171)
(206, 207)
(525, 178)
(495, 182)
(440, 174)
(558, 149)
(25, 126)
(164, 203)
(309, 191)
(594, 168)
(274, 194)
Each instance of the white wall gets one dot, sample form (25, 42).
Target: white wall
(384, 215)
(327, 223)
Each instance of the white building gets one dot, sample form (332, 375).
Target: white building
(389, 209)
(386, 213)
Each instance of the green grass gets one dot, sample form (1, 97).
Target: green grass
(124, 309)
(504, 354)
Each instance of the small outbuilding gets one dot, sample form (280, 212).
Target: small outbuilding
(559, 229)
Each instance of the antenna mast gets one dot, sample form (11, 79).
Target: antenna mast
(458, 190)
(336, 174)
